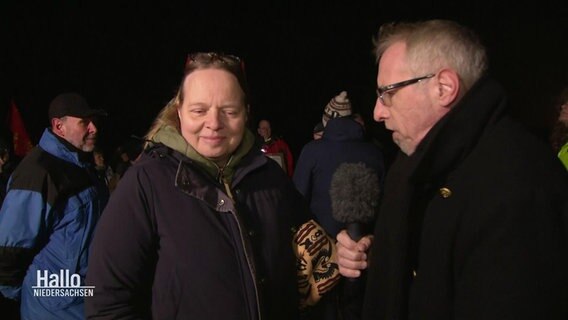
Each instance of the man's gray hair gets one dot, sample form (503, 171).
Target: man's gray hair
(437, 44)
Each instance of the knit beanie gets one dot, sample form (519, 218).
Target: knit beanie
(339, 106)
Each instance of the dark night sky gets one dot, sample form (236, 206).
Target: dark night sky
(128, 59)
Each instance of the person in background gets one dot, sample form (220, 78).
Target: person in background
(7, 166)
(275, 145)
(472, 224)
(53, 203)
(359, 118)
(215, 230)
(559, 136)
(122, 161)
(103, 170)
(317, 132)
(389, 150)
(10, 308)
(125, 156)
(343, 142)
(338, 106)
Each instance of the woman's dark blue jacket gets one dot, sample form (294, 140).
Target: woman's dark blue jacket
(172, 244)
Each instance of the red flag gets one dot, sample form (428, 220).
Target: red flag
(21, 139)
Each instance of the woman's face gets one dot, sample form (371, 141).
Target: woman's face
(213, 114)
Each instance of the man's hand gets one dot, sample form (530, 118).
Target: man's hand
(351, 255)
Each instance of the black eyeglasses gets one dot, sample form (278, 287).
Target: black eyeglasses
(383, 93)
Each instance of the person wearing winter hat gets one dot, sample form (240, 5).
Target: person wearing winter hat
(338, 106)
(343, 142)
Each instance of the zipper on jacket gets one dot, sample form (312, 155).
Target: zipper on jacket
(253, 276)
(227, 187)
(220, 171)
(221, 179)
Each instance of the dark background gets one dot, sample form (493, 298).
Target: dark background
(128, 57)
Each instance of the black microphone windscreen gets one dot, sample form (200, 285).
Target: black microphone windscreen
(354, 193)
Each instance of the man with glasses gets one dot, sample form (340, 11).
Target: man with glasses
(473, 220)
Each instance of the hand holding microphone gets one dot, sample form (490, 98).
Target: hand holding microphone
(354, 196)
(351, 255)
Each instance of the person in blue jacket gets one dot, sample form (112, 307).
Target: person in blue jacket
(53, 202)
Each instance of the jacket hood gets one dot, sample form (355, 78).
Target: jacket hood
(171, 138)
(343, 129)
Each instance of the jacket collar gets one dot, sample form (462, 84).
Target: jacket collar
(62, 149)
(193, 180)
(459, 131)
(170, 137)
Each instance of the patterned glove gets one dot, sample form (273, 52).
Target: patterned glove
(317, 269)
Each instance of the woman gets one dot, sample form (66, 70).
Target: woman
(203, 226)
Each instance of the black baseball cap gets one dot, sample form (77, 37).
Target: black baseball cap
(74, 105)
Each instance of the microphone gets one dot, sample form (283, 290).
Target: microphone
(354, 196)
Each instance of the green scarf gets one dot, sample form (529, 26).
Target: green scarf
(170, 137)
